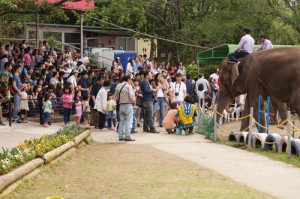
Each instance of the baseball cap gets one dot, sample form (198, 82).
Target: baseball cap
(206, 92)
(118, 57)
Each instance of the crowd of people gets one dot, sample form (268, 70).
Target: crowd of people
(116, 97)
(161, 94)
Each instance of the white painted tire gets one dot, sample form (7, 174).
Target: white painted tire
(258, 141)
(242, 137)
(253, 134)
(282, 145)
(295, 145)
(272, 138)
(233, 137)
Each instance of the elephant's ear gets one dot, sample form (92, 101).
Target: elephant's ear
(234, 72)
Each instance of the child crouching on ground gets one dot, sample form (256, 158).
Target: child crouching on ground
(47, 107)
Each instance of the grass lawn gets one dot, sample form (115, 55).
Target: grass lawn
(130, 171)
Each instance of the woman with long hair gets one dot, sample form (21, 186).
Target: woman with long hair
(160, 102)
(170, 68)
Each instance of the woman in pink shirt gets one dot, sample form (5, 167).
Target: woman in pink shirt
(27, 58)
(68, 100)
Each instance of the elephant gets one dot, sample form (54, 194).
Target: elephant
(274, 72)
(282, 110)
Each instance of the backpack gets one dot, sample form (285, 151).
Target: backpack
(189, 87)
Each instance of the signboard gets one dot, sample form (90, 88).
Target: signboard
(75, 5)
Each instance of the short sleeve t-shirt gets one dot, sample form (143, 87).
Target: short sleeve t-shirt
(47, 106)
(67, 97)
(86, 107)
(178, 88)
(84, 84)
(111, 104)
(79, 106)
(16, 79)
(95, 89)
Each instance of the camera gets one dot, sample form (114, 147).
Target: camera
(176, 94)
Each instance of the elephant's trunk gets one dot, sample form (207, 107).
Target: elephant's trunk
(222, 104)
(229, 109)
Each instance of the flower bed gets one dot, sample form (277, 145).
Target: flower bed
(35, 147)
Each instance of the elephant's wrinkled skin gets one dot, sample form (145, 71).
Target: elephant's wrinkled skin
(274, 73)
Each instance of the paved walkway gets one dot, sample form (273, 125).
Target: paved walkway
(259, 172)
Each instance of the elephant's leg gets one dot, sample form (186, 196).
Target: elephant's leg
(246, 111)
(295, 102)
(282, 109)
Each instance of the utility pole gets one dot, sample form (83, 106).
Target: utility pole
(37, 29)
(81, 35)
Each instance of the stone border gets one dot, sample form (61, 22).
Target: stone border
(20, 172)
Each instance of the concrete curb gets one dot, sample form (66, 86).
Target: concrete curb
(21, 172)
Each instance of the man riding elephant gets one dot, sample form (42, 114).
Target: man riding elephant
(274, 73)
(244, 48)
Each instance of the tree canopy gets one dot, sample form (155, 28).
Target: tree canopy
(199, 22)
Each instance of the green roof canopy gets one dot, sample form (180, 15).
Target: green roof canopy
(216, 54)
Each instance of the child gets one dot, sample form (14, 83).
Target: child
(112, 113)
(86, 110)
(67, 99)
(200, 93)
(47, 106)
(78, 107)
(24, 103)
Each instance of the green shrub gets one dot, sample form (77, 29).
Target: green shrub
(206, 70)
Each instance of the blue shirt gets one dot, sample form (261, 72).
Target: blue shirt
(23, 74)
(48, 77)
(135, 66)
(16, 79)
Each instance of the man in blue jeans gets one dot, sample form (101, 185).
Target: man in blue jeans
(126, 98)
(148, 99)
(17, 86)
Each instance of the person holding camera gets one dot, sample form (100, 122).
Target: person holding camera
(178, 90)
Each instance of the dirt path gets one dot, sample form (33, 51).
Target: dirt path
(131, 171)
